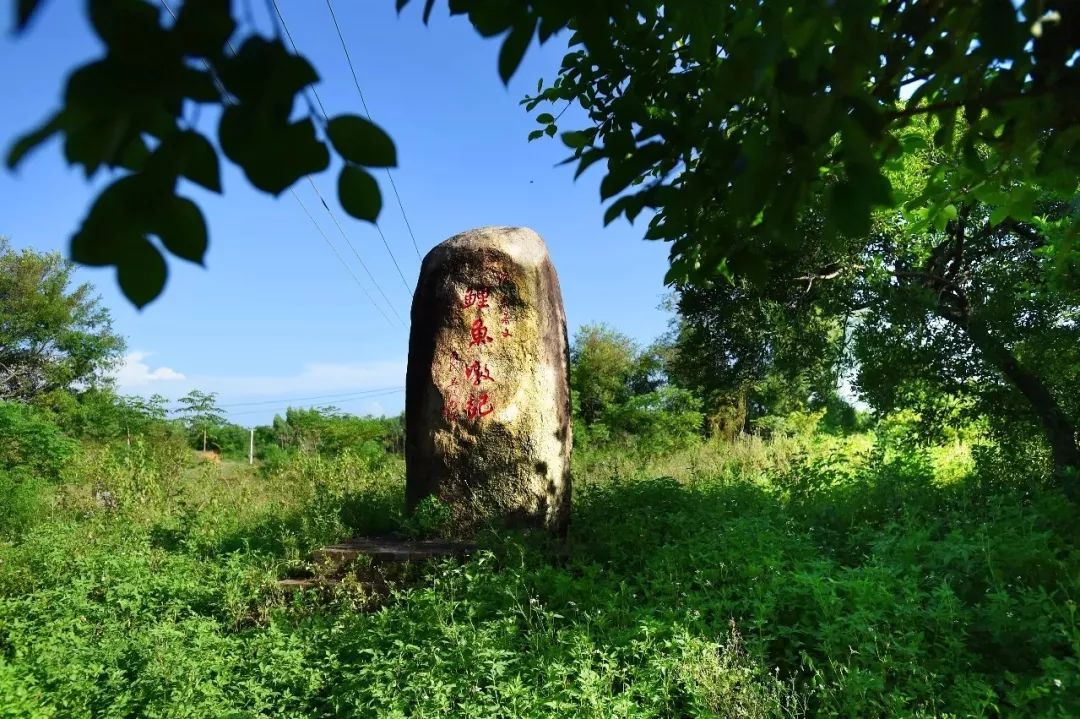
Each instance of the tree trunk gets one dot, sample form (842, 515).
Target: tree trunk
(1058, 428)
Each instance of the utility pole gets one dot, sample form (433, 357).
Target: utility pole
(251, 448)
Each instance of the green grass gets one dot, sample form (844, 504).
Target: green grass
(789, 578)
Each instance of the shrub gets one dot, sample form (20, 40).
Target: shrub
(29, 441)
(431, 518)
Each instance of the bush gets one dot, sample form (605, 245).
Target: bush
(657, 422)
(30, 441)
(24, 497)
(431, 518)
(800, 425)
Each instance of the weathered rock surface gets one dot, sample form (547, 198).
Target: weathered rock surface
(487, 401)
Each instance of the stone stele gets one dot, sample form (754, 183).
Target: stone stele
(487, 401)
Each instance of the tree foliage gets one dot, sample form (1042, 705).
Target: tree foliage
(30, 441)
(752, 111)
(602, 362)
(730, 120)
(621, 392)
(967, 316)
(52, 336)
(126, 111)
(200, 414)
(749, 351)
(329, 431)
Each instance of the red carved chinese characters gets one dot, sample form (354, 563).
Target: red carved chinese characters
(480, 333)
(476, 371)
(478, 406)
(475, 374)
(476, 296)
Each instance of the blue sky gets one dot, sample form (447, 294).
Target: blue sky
(275, 316)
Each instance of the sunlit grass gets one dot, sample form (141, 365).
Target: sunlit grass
(816, 575)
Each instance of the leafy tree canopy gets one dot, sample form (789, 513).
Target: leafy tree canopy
(750, 350)
(727, 120)
(601, 364)
(329, 431)
(621, 391)
(200, 414)
(731, 120)
(125, 111)
(967, 315)
(52, 336)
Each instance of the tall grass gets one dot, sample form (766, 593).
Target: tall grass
(799, 576)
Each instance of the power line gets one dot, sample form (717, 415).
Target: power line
(292, 43)
(338, 396)
(333, 249)
(367, 112)
(358, 258)
(342, 259)
(378, 227)
(259, 411)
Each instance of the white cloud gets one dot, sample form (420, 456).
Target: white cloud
(352, 386)
(134, 373)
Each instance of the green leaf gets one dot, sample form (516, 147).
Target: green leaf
(588, 158)
(272, 155)
(999, 215)
(204, 26)
(550, 23)
(100, 85)
(97, 249)
(943, 138)
(617, 208)
(124, 205)
(913, 142)
(535, 134)
(141, 272)
(198, 85)
(188, 154)
(361, 141)
(550, 130)
(24, 11)
(1022, 202)
(514, 47)
(266, 77)
(576, 139)
(97, 143)
(182, 229)
(131, 30)
(849, 210)
(619, 177)
(22, 146)
(359, 193)
(491, 18)
(1000, 34)
(949, 211)
(545, 118)
(134, 154)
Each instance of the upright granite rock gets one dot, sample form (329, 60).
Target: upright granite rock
(487, 402)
